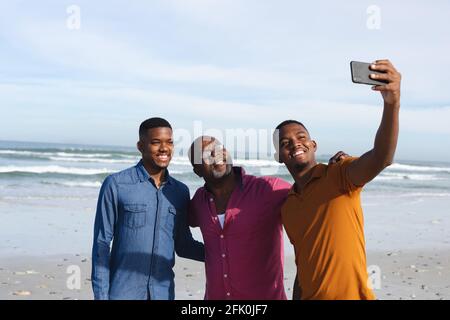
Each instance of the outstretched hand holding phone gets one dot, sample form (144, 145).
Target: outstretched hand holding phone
(370, 164)
(391, 90)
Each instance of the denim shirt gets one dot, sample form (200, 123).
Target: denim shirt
(146, 226)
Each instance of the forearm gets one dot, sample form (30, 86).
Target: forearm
(387, 136)
(185, 244)
(191, 249)
(100, 271)
(197, 251)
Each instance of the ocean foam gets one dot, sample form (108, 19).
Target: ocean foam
(53, 169)
(84, 184)
(72, 159)
(408, 167)
(403, 176)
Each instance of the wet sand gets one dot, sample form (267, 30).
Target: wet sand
(407, 239)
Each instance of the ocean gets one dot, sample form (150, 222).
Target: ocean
(40, 170)
(48, 195)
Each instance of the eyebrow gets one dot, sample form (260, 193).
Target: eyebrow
(159, 139)
(297, 133)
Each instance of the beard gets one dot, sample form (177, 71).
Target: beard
(300, 166)
(222, 174)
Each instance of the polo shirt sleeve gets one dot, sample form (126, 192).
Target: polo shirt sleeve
(342, 177)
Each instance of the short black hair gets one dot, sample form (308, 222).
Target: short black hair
(286, 122)
(152, 123)
(281, 125)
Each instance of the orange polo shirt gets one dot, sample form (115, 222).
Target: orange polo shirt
(325, 224)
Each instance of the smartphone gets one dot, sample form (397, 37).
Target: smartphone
(361, 72)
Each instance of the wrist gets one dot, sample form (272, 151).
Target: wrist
(392, 105)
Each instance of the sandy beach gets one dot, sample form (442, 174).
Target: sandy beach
(408, 249)
(47, 214)
(404, 275)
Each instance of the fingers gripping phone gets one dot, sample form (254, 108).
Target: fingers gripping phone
(361, 71)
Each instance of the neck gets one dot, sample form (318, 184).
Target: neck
(157, 174)
(223, 186)
(303, 175)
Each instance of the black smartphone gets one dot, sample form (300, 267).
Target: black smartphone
(361, 72)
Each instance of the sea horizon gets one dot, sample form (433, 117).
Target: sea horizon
(133, 149)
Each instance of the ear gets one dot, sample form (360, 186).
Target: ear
(276, 156)
(140, 147)
(315, 145)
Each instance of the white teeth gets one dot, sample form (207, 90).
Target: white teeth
(298, 153)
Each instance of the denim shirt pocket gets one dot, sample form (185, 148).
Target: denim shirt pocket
(134, 215)
(170, 218)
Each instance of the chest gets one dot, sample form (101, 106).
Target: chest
(241, 215)
(320, 214)
(142, 205)
(221, 203)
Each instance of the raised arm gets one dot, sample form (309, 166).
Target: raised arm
(370, 164)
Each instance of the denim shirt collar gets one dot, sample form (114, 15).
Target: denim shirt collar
(144, 176)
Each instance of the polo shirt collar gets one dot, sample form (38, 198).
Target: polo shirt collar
(318, 171)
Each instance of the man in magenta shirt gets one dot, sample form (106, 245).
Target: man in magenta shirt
(239, 217)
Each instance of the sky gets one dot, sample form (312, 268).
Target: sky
(227, 64)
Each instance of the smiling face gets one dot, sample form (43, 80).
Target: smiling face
(156, 147)
(215, 160)
(296, 149)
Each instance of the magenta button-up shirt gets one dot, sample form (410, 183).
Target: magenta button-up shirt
(244, 260)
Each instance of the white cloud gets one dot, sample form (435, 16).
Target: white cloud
(99, 54)
(321, 112)
(225, 62)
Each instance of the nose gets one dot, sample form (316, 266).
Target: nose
(163, 147)
(296, 144)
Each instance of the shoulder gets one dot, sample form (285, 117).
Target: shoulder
(199, 193)
(345, 162)
(180, 186)
(274, 183)
(126, 176)
(109, 185)
(340, 166)
(338, 175)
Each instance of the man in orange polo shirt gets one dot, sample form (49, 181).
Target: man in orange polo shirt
(322, 214)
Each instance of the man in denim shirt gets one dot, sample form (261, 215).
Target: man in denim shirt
(143, 211)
